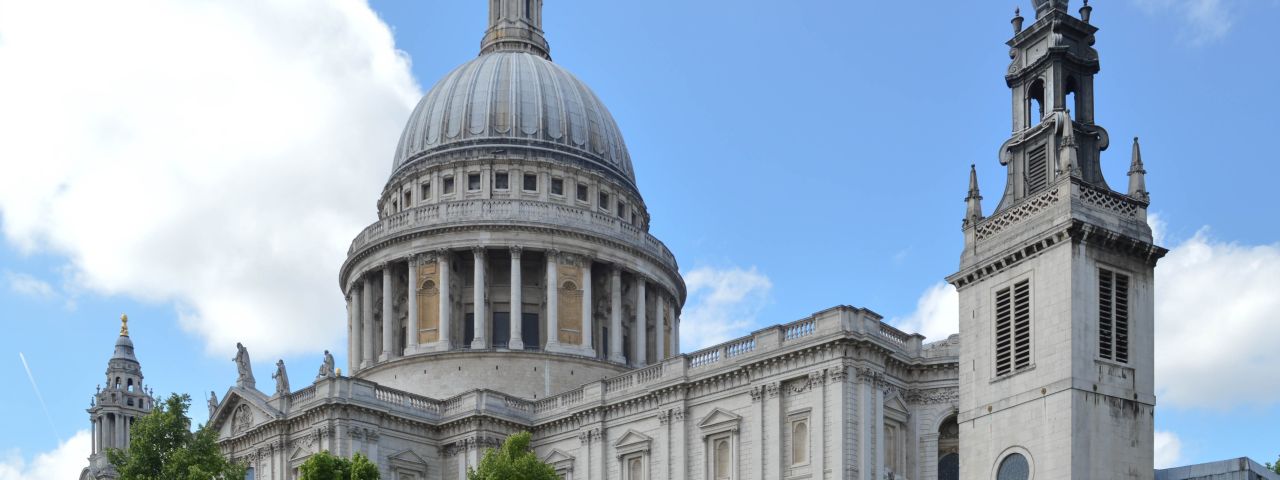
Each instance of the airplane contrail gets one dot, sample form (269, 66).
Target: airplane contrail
(39, 397)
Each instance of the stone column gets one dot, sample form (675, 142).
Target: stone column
(553, 301)
(477, 298)
(517, 300)
(366, 321)
(388, 317)
(353, 330)
(660, 327)
(675, 333)
(642, 325)
(588, 326)
(411, 333)
(446, 304)
(615, 316)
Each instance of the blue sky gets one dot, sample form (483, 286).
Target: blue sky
(203, 165)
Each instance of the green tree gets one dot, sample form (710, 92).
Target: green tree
(512, 461)
(326, 466)
(1275, 467)
(163, 447)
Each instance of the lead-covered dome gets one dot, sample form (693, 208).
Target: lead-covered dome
(509, 98)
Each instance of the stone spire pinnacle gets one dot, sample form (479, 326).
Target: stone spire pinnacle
(515, 25)
(1138, 175)
(973, 202)
(1068, 155)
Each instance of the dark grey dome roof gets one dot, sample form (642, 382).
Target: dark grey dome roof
(513, 98)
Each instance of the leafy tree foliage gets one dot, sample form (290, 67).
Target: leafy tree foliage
(326, 466)
(163, 447)
(512, 461)
(1275, 467)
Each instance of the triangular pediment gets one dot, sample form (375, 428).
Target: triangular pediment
(896, 403)
(408, 456)
(631, 438)
(249, 407)
(557, 456)
(719, 417)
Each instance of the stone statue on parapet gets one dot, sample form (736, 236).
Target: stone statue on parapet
(281, 378)
(244, 368)
(326, 368)
(213, 403)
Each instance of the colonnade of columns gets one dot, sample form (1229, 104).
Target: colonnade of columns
(110, 431)
(429, 302)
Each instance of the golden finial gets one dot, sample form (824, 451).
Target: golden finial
(339, 372)
(124, 325)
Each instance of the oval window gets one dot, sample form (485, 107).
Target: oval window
(1014, 467)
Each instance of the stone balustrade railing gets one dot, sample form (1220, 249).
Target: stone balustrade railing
(820, 327)
(511, 211)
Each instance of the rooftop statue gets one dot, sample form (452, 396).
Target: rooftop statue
(282, 379)
(243, 368)
(326, 368)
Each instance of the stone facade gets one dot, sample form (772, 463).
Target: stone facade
(865, 399)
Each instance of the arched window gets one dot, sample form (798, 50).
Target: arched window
(1014, 467)
(129, 385)
(722, 470)
(949, 467)
(800, 442)
(1069, 99)
(1035, 102)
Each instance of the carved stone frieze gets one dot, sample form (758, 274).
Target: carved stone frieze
(933, 396)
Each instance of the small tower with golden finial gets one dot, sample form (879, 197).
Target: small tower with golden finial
(115, 408)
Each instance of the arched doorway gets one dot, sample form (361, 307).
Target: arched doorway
(949, 449)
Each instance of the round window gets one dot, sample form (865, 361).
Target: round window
(1014, 467)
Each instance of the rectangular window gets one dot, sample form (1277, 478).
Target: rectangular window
(473, 182)
(604, 201)
(408, 198)
(448, 184)
(622, 210)
(582, 192)
(1013, 328)
(557, 186)
(530, 182)
(501, 181)
(426, 190)
(1113, 315)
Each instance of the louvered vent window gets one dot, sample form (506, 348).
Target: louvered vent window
(1013, 328)
(1037, 169)
(1113, 315)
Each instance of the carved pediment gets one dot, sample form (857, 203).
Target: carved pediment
(560, 461)
(719, 419)
(408, 459)
(632, 442)
(241, 410)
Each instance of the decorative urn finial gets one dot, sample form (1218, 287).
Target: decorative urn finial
(1017, 20)
(1086, 11)
(124, 325)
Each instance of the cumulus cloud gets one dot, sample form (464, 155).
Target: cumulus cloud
(1205, 21)
(61, 463)
(1168, 450)
(722, 304)
(28, 286)
(937, 313)
(214, 155)
(1216, 311)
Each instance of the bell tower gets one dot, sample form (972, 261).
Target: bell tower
(114, 409)
(1057, 284)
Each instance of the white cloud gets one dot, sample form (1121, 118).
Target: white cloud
(1205, 20)
(1168, 450)
(1217, 308)
(722, 305)
(216, 155)
(27, 285)
(937, 313)
(62, 463)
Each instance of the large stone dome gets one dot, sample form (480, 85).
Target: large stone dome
(514, 99)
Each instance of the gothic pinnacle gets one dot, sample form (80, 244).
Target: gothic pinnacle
(1138, 175)
(973, 202)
